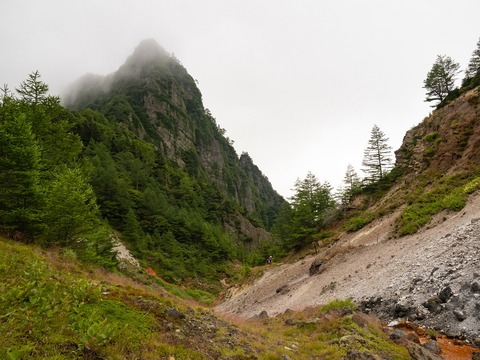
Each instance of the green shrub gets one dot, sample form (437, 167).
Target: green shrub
(337, 304)
(472, 186)
(246, 270)
(358, 222)
(450, 193)
(431, 137)
(429, 152)
(455, 201)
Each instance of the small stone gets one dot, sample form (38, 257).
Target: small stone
(477, 341)
(433, 346)
(393, 323)
(190, 311)
(175, 313)
(398, 334)
(263, 315)
(445, 294)
(459, 314)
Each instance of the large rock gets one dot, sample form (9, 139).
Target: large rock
(315, 267)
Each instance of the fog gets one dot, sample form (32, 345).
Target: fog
(297, 85)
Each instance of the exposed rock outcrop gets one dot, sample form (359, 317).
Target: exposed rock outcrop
(447, 140)
(154, 97)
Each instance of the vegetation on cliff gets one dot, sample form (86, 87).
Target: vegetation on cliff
(140, 157)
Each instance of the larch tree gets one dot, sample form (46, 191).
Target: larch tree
(474, 64)
(32, 90)
(377, 161)
(441, 78)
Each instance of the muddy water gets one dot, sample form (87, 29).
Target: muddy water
(453, 351)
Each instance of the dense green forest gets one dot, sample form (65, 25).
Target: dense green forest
(135, 156)
(72, 178)
(79, 177)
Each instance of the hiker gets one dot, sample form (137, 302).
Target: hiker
(269, 260)
(314, 243)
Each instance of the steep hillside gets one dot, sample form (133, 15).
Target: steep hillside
(445, 142)
(164, 174)
(428, 274)
(53, 306)
(153, 95)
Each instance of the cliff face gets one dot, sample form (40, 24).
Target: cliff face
(153, 96)
(446, 141)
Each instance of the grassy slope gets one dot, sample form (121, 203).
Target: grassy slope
(53, 307)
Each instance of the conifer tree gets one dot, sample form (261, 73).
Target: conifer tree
(352, 182)
(377, 156)
(32, 90)
(474, 65)
(441, 78)
(19, 172)
(309, 204)
(72, 212)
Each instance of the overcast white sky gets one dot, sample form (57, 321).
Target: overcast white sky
(297, 84)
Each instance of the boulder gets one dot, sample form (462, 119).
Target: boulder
(315, 267)
(445, 294)
(433, 346)
(419, 352)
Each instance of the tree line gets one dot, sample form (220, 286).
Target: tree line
(44, 188)
(314, 204)
(73, 179)
(69, 178)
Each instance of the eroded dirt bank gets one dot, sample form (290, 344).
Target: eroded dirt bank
(431, 277)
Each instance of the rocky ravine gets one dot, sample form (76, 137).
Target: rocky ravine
(432, 277)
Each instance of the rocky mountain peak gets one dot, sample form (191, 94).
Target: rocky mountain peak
(155, 98)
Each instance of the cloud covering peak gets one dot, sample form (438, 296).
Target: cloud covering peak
(148, 51)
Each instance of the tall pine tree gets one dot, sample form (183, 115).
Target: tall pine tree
(377, 161)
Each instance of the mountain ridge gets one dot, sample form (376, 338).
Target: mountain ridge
(167, 110)
(190, 189)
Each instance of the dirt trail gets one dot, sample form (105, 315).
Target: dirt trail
(367, 264)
